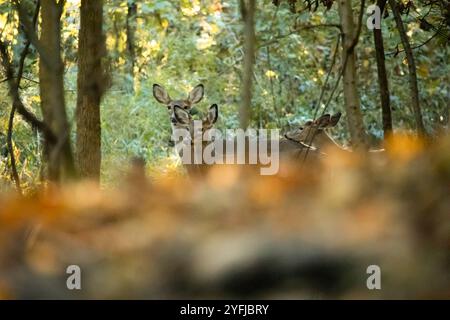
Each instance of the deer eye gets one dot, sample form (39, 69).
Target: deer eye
(186, 107)
(169, 107)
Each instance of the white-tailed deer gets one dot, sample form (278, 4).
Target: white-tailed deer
(314, 133)
(184, 128)
(162, 96)
(244, 148)
(203, 146)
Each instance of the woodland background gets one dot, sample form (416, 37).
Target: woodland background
(76, 103)
(182, 43)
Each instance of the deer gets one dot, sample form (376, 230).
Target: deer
(162, 96)
(286, 148)
(184, 126)
(180, 116)
(314, 133)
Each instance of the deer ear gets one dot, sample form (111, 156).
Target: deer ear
(181, 115)
(213, 114)
(196, 95)
(323, 121)
(161, 94)
(335, 119)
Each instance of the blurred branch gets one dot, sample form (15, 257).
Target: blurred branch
(248, 14)
(383, 81)
(413, 84)
(341, 73)
(8, 17)
(348, 51)
(269, 65)
(358, 31)
(19, 76)
(397, 51)
(31, 34)
(17, 101)
(23, 77)
(296, 30)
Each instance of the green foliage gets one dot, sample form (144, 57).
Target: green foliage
(181, 44)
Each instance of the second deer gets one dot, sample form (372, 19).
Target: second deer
(314, 133)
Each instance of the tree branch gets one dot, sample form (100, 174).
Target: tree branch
(32, 36)
(358, 31)
(19, 76)
(341, 73)
(396, 52)
(297, 29)
(415, 100)
(15, 96)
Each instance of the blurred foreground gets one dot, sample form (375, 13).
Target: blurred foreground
(234, 234)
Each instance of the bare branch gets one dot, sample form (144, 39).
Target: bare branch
(358, 32)
(298, 29)
(19, 76)
(396, 52)
(31, 34)
(14, 93)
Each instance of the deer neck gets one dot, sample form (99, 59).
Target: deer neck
(323, 140)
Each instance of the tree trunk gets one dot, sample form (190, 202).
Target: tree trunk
(411, 67)
(248, 14)
(382, 76)
(91, 50)
(351, 97)
(59, 157)
(131, 36)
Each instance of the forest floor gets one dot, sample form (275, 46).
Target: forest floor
(303, 233)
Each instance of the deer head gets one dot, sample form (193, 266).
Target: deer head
(183, 120)
(316, 129)
(194, 97)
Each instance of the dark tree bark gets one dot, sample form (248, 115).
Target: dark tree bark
(382, 76)
(91, 50)
(414, 88)
(131, 36)
(248, 13)
(351, 96)
(59, 156)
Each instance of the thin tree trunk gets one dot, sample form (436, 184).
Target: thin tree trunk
(91, 50)
(382, 76)
(351, 96)
(248, 13)
(131, 36)
(51, 70)
(414, 88)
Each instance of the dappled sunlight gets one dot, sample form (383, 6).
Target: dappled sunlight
(94, 96)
